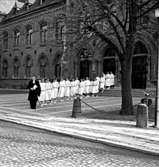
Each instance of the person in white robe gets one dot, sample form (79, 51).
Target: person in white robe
(62, 86)
(72, 93)
(48, 91)
(76, 88)
(82, 87)
(42, 95)
(55, 87)
(95, 87)
(87, 85)
(98, 80)
(68, 88)
(112, 80)
(91, 87)
(102, 83)
(107, 81)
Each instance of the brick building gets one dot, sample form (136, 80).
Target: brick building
(35, 40)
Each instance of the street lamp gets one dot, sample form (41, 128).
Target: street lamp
(157, 86)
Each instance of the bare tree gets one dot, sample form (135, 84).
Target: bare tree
(121, 21)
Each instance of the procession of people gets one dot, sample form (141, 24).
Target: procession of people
(53, 91)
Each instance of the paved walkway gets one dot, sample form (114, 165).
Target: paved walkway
(116, 133)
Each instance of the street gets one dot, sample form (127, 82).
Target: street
(22, 146)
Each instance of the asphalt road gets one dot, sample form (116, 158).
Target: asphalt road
(21, 146)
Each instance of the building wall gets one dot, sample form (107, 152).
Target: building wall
(66, 13)
(50, 49)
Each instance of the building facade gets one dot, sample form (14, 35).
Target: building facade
(35, 40)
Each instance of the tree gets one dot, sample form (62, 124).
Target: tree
(121, 21)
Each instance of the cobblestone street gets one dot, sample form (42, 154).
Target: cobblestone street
(26, 147)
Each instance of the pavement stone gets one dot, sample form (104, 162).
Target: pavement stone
(118, 134)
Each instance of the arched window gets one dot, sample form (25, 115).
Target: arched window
(16, 38)
(43, 32)
(60, 30)
(29, 32)
(5, 68)
(140, 48)
(5, 40)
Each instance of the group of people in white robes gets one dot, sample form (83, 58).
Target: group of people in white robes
(107, 81)
(66, 89)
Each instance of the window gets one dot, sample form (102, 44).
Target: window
(43, 33)
(29, 32)
(5, 40)
(5, 69)
(16, 38)
(60, 31)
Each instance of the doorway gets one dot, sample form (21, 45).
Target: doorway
(139, 72)
(109, 65)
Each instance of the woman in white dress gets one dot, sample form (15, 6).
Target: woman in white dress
(91, 87)
(62, 86)
(82, 87)
(76, 88)
(68, 89)
(95, 87)
(112, 80)
(87, 85)
(48, 91)
(72, 88)
(107, 81)
(55, 86)
(102, 83)
(42, 95)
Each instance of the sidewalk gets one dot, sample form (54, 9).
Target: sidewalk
(117, 133)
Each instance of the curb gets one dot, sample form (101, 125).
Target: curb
(82, 137)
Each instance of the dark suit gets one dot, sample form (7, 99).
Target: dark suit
(33, 94)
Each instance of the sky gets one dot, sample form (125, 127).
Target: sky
(6, 5)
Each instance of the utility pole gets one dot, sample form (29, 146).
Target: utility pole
(157, 86)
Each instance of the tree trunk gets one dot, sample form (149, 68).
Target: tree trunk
(127, 103)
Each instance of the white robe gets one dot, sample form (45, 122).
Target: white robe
(91, 87)
(87, 85)
(72, 88)
(48, 91)
(95, 86)
(82, 87)
(55, 86)
(62, 86)
(42, 94)
(107, 80)
(76, 88)
(68, 88)
(102, 82)
(112, 77)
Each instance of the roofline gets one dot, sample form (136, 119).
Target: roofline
(32, 11)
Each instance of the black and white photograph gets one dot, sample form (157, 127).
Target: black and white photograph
(79, 83)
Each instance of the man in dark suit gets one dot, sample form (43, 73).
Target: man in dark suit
(34, 92)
